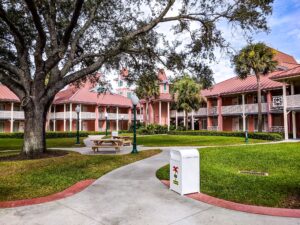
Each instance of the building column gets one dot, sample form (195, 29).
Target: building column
(244, 112)
(54, 118)
(220, 117)
(168, 111)
(141, 115)
(117, 125)
(65, 122)
(12, 117)
(129, 117)
(285, 114)
(80, 120)
(176, 120)
(159, 113)
(71, 119)
(97, 118)
(293, 114)
(269, 101)
(192, 121)
(184, 118)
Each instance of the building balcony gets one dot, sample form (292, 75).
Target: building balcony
(17, 115)
(232, 110)
(113, 116)
(212, 111)
(213, 128)
(201, 112)
(292, 102)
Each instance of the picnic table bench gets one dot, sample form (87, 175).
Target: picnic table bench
(127, 140)
(107, 143)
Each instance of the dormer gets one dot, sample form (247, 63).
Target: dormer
(163, 82)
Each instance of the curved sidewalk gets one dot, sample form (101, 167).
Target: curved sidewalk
(132, 195)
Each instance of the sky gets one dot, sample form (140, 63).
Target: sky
(284, 36)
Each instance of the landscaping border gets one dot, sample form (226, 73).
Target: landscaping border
(262, 210)
(79, 186)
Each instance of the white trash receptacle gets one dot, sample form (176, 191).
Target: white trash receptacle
(185, 171)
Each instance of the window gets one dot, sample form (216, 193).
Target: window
(128, 94)
(120, 83)
(2, 107)
(165, 87)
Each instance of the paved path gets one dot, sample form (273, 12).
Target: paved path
(132, 195)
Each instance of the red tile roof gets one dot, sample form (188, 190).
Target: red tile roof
(235, 85)
(7, 95)
(282, 57)
(85, 95)
(287, 74)
(162, 75)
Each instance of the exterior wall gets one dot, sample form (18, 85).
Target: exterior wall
(227, 123)
(298, 124)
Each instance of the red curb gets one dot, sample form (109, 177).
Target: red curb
(295, 213)
(79, 186)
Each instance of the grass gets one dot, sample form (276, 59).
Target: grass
(183, 140)
(41, 177)
(220, 178)
(16, 143)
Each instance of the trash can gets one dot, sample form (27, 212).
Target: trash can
(185, 171)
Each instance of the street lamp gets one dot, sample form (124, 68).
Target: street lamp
(77, 109)
(135, 100)
(106, 123)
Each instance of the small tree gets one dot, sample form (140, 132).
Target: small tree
(186, 93)
(257, 59)
(147, 88)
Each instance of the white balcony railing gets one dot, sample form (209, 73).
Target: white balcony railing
(88, 115)
(293, 101)
(253, 108)
(213, 128)
(212, 110)
(232, 109)
(277, 129)
(201, 112)
(17, 115)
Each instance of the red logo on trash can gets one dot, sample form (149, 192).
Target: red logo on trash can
(175, 170)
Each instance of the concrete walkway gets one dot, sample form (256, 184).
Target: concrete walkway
(132, 195)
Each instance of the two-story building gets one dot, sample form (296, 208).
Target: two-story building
(231, 105)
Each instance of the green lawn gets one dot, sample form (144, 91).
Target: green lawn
(184, 140)
(16, 143)
(41, 177)
(220, 178)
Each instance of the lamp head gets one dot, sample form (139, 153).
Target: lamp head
(77, 109)
(134, 99)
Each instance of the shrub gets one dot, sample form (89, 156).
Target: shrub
(254, 135)
(52, 134)
(153, 129)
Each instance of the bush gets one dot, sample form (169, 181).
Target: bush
(153, 129)
(254, 135)
(52, 134)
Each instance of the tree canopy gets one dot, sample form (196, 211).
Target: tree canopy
(47, 44)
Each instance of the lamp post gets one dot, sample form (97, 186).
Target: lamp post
(106, 123)
(77, 109)
(135, 101)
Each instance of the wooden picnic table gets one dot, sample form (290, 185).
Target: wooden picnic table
(127, 140)
(107, 143)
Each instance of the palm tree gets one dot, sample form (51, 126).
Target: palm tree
(258, 59)
(147, 87)
(186, 93)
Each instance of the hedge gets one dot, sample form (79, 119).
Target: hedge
(254, 135)
(52, 134)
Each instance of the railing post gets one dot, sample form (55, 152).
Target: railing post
(285, 117)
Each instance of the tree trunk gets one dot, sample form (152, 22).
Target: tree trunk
(259, 120)
(147, 112)
(186, 120)
(34, 131)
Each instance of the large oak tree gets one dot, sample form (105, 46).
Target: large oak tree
(47, 44)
